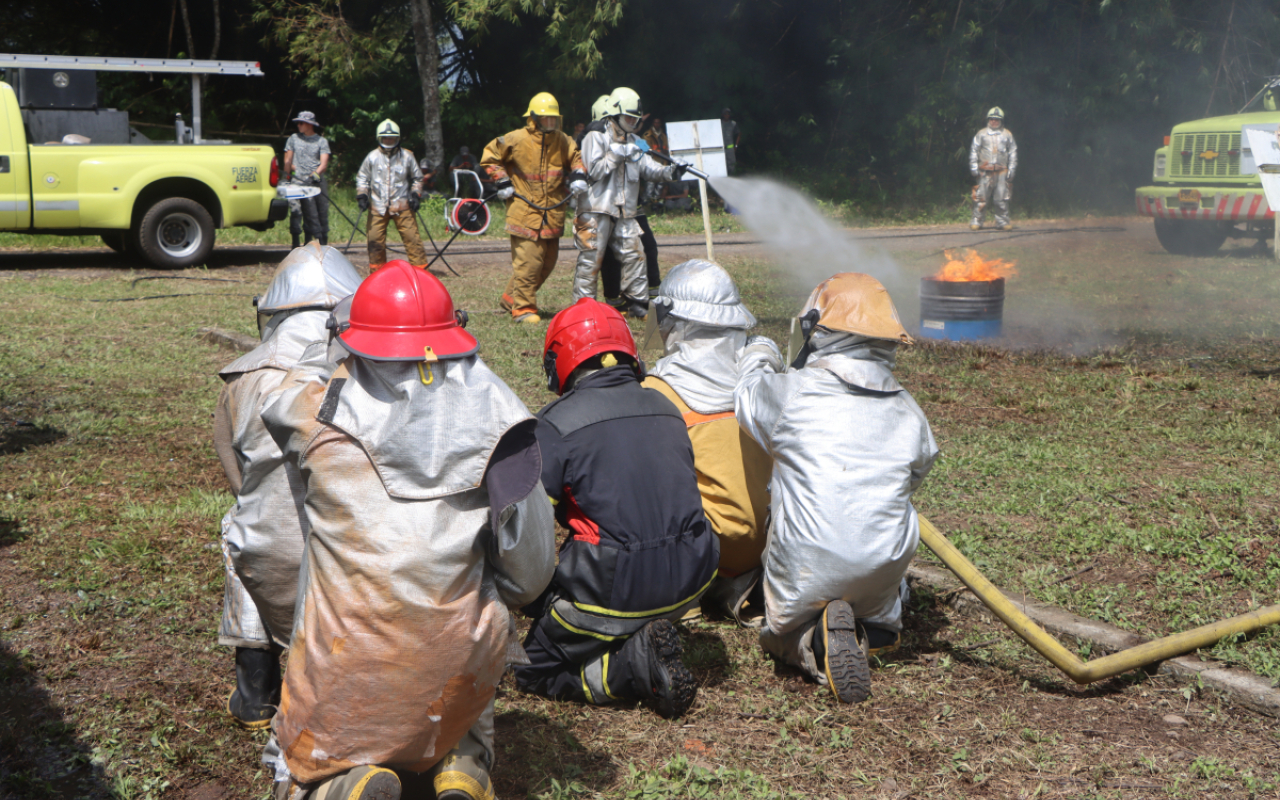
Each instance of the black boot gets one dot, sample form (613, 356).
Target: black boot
(649, 665)
(297, 241)
(324, 240)
(638, 309)
(306, 239)
(253, 703)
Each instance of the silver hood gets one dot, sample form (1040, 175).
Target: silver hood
(310, 277)
(701, 363)
(856, 360)
(283, 341)
(422, 439)
(701, 291)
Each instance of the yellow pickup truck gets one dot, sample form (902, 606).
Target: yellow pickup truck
(163, 201)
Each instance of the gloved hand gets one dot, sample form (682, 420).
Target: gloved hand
(577, 187)
(760, 352)
(415, 202)
(362, 202)
(678, 171)
(505, 190)
(627, 151)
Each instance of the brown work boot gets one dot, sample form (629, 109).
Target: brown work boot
(1008, 226)
(525, 315)
(459, 777)
(974, 226)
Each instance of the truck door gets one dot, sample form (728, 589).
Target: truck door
(14, 190)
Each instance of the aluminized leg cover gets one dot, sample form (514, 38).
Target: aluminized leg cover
(360, 783)
(796, 648)
(1000, 199)
(591, 232)
(241, 626)
(629, 250)
(727, 597)
(982, 196)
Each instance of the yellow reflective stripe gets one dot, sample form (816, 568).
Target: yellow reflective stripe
(604, 676)
(585, 688)
(554, 501)
(602, 637)
(605, 612)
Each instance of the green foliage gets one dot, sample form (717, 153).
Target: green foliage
(575, 26)
(323, 45)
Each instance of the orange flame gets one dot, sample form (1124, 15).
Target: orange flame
(973, 267)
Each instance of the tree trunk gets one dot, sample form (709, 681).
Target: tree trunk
(428, 54)
(217, 30)
(186, 25)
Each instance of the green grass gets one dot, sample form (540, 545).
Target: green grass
(1148, 458)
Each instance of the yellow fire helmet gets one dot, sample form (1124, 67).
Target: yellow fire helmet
(544, 105)
(857, 303)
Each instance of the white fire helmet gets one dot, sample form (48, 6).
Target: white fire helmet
(624, 105)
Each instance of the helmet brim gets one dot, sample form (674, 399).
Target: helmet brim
(450, 343)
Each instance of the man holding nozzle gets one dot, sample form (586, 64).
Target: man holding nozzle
(993, 158)
(420, 477)
(389, 188)
(264, 532)
(849, 447)
(616, 160)
(537, 164)
(703, 326)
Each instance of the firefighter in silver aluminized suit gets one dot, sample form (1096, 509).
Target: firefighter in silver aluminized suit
(263, 533)
(849, 447)
(993, 158)
(421, 476)
(615, 164)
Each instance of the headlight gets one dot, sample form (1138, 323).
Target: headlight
(1160, 160)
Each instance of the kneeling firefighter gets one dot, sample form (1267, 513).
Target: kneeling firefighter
(616, 462)
(849, 446)
(703, 324)
(264, 532)
(538, 163)
(421, 476)
(616, 161)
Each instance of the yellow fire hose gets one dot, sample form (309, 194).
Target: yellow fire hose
(1062, 658)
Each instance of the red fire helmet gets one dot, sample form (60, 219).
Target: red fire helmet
(401, 313)
(585, 329)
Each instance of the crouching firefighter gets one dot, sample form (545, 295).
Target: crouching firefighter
(264, 532)
(427, 522)
(703, 324)
(849, 446)
(617, 464)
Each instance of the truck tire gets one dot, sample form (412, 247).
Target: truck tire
(175, 232)
(1185, 237)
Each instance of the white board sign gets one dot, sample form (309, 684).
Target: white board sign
(685, 139)
(1248, 164)
(1266, 152)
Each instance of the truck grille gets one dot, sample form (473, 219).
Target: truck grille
(1195, 165)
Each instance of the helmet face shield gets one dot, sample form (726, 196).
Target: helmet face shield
(629, 122)
(388, 142)
(547, 124)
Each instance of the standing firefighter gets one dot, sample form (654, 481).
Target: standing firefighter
(264, 532)
(993, 158)
(420, 469)
(389, 187)
(703, 323)
(849, 447)
(616, 160)
(537, 164)
(616, 462)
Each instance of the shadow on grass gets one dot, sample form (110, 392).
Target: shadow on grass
(707, 657)
(534, 749)
(40, 756)
(17, 436)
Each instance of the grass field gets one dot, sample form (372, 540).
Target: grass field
(1126, 474)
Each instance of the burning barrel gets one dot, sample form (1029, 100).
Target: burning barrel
(965, 300)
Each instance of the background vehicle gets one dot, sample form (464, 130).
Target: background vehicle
(1206, 185)
(68, 167)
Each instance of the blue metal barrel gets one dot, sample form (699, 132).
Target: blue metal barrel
(961, 311)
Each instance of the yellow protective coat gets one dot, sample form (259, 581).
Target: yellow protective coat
(538, 165)
(733, 479)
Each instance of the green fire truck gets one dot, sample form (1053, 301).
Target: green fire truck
(1205, 183)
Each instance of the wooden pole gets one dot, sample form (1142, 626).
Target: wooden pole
(702, 191)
